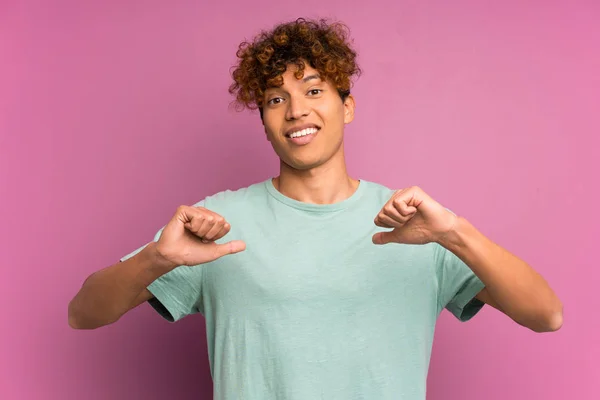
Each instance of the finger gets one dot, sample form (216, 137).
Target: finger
(385, 221)
(391, 212)
(196, 228)
(209, 220)
(224, 231)
(194, 220)
(215, 229)
(402, 208)
(235, 246)
(383, 238)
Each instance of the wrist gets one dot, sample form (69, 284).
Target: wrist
(156, 260)
(454, 237)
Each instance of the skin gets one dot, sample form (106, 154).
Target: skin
(316, 173)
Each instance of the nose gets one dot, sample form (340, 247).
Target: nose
(297, 108)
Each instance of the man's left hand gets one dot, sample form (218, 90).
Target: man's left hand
(414, 217)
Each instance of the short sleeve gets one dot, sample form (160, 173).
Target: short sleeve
(177, 293)
(457, 285)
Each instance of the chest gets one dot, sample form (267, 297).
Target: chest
(319, 267)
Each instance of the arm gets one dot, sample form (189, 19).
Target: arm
(188, 239)
(109, 293)
(512, 286)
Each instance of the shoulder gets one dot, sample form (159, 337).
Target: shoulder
(377, 192)
(235, 198)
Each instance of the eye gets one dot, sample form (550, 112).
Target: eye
(275, 100)
(314, 92)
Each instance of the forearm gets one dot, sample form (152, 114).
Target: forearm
(518, 289)
(109, 293)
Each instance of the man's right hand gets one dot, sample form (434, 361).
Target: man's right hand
(189, 238)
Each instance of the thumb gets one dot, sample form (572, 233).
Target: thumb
(383, 237)
(235, 246)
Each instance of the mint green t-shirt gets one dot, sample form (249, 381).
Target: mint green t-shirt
(312, 309)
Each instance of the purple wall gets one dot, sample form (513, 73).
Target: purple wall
(114, 113)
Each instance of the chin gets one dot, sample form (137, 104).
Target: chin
(303, 165)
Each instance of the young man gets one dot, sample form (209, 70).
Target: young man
(315, 285)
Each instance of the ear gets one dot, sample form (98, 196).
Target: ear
(349, 105)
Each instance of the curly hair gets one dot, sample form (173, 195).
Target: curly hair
(261, 63)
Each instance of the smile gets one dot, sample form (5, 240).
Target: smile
(304, 136)
(304, 132)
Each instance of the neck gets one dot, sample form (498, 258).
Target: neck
(326, 184)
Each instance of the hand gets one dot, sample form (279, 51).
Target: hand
(189, 237)
(415, 218)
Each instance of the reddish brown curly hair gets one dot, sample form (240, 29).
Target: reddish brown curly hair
(261, 63)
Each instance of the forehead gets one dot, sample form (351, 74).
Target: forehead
(289, 77)
(292, 68)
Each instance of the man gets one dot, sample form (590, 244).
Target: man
(328, 287)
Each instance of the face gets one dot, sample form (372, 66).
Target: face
(304, 119)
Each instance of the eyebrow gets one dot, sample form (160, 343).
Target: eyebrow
(304, 80)
(311, 77)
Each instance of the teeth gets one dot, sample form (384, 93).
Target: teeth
(304, 132)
